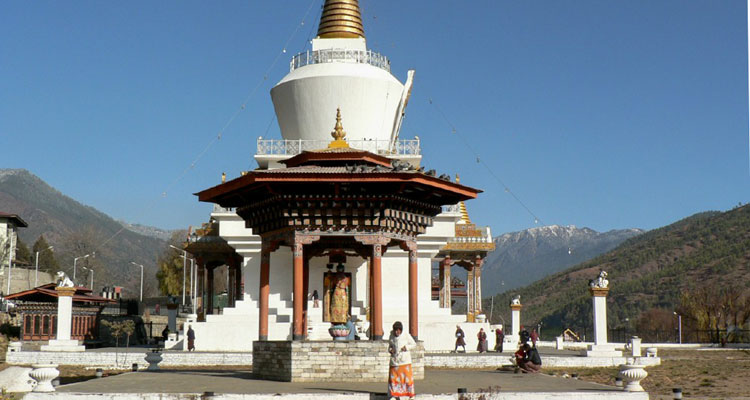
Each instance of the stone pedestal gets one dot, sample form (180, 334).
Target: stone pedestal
(172, 317)
(600, 348)
(635, 346)
(512, 337)
(64, 318)
(328, 361)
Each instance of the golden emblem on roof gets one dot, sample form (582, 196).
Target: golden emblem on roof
(338, 133)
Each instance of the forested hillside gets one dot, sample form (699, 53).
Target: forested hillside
(705, 252)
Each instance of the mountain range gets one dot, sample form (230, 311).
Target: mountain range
(648, 273)
(521, 258)
(75, 230)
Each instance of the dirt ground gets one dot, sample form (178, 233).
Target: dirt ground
(708, 374)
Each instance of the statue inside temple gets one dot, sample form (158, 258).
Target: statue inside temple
(340, 296)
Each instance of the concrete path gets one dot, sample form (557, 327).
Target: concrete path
(435, 382)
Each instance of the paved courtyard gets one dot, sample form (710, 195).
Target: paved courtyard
(436, 382)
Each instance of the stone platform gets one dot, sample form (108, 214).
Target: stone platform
(327, 361)
(242, 385)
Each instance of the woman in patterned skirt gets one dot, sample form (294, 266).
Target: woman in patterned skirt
(400, 378)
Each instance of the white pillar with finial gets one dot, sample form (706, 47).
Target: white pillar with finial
(599, 288)
(512, 337)
(63, 342)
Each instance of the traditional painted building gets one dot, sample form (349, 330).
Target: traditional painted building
(37, 308)
(361, 202)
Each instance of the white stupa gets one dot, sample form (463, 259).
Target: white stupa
(339, 73)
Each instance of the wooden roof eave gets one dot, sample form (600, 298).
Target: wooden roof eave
(222, 193)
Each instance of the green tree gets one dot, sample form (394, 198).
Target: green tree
(117, 329)
(22, 252)
(170, 272)
(47, 260)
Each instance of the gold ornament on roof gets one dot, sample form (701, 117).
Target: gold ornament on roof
(341, 19)
(338, 133)
(462, 207)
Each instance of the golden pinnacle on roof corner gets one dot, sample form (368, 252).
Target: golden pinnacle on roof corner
(462, 206)
(341, 19)
(338, 133)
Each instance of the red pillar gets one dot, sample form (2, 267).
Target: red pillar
(376, 308)
(263, 291)
(413, 303)
(298, 295)
(305, 290)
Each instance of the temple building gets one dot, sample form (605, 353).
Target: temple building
(339, 207)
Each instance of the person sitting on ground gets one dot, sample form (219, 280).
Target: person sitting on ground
(527, 359)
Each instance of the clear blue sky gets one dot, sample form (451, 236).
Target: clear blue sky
(606, 114)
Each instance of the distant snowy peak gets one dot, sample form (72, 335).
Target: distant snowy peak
(558, 233)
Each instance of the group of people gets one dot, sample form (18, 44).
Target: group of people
(527, 356)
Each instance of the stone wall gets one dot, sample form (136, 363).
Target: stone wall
(124, 360)
(327, 361)
(23, 279)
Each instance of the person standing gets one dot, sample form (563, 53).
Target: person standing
(460, 339)
(499, 338)
(534, 337)
(482, 341)
(400, 376)
(315, 298)
(191, 338)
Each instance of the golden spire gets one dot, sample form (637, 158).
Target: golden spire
(341, 19)
(338, 133)
(462, 207)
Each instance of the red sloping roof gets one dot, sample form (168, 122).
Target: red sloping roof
(18, 221)
(82, 294)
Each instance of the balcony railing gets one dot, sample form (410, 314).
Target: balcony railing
(284, 147)
(340, 55)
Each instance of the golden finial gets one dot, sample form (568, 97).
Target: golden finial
(341, 19)
(223, 177)
(464, 213)
(462, 207)
(338, 133)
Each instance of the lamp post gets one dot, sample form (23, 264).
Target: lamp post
(92, 277)
(184, 265)
(679, 325)
(134, 263)
(194, 271)
(75, 260)
(36, 268)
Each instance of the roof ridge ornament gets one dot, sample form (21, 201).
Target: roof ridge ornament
(338, 134)
(462, 207)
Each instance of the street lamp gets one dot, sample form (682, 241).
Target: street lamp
(92, 277)
(75, 260)
(679, 324)
(134, 263)
(36, 269)
(184, 265)
(194, 288)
